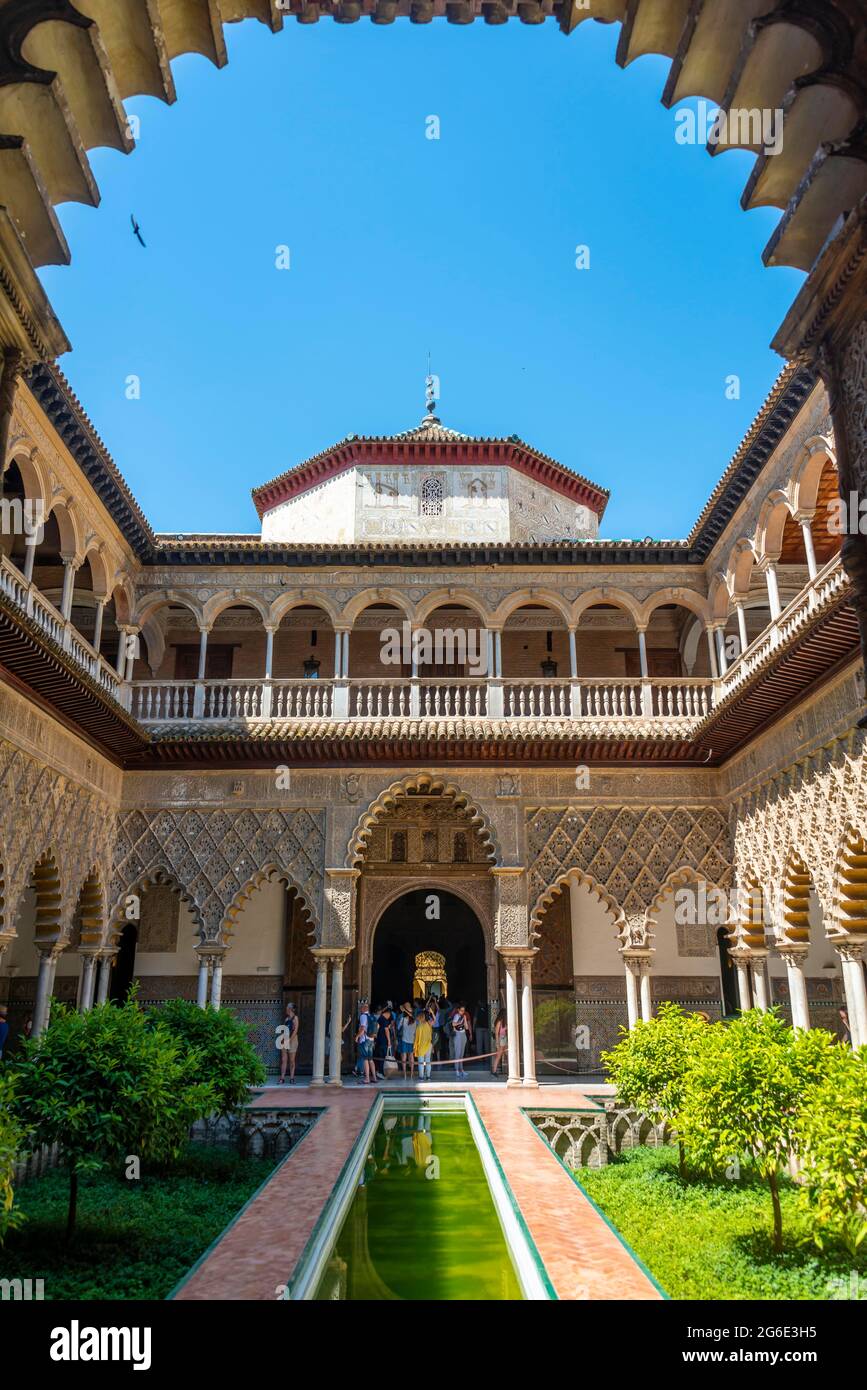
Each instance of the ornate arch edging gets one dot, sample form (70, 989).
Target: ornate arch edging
(368, 921)
(356, 605)
(441, 598)
(92, 902)
(792, 927)
(214, 853)
(268, 873)
(357, 847)
(163, 876)
(676, 878)
(555, 889)
(850, 895)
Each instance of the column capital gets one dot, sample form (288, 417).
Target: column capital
(637, 955)
(52, 951)
(212, 949)
(766, 563)
(849, 948)
(516, 954)
(793, 952)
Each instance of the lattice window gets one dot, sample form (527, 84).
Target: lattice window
(461, 848)
(398, 847)
(432, 497)
(430, 846)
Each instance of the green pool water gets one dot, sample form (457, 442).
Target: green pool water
(422, 1224)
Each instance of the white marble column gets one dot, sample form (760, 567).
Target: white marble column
(642, 652)
(217, 980)
(320, 1012)
(773, 591)
(721, 651)
(512, 1022)
(102, 988)
(742, 627)
(203, 653)
(97, 630)
(202, 985)
(851, 955)
(120, 664)
(88, 981)
(573, 654)
(809, 548)
(29, 557)
(631, 992)
(644, 998)
(761, 994)
(744, 990)
(528, 1036)
(336, 1020)
(48, 958)
(69, 569)
(794, 959)
(711, 646)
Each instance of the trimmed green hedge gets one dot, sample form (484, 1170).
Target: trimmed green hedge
(711, 1240)
(135, 1239)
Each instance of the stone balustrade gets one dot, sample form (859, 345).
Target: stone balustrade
(34, 605)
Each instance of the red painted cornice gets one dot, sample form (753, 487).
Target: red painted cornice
(459, 453)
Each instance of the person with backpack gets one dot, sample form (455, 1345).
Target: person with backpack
(365, 1038)
(406, 1026)
(461, 1034)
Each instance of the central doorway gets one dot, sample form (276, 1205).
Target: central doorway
(409, 927)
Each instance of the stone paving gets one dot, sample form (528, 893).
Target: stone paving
(257, 1255)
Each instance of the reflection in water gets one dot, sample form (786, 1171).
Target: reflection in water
(422, 1224)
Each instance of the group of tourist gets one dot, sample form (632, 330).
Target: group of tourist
(424, 1033)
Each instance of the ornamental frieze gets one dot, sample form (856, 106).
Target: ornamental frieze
(44, 813)
(804, 809)
(628, 851)
(213, 857)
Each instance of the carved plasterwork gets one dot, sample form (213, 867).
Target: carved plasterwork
(43, 812)
(379, 892)
(629, 851)
(804, 810)
(339, 917)
(853, 380)
(213, 855)
(511, 908)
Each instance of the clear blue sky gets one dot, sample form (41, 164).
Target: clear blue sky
(465, 246)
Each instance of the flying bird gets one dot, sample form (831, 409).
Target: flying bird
(136, 229)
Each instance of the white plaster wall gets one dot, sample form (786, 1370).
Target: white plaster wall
(820, 954)
(594, 940)
(181, 962)
(323, 514)
(479, 503)
(667, 960)
(257, 940)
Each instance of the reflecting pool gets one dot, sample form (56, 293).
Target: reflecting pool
(422, 1224)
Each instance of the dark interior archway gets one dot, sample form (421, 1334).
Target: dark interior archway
(730, 1001)
(124, 966)
(405, 929)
